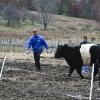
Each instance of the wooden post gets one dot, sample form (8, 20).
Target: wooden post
(12, 47)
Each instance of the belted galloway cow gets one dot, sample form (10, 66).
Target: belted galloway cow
(77, 56)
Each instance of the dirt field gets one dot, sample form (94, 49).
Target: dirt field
(21, 82)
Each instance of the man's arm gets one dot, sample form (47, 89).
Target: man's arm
(29, 43)
(80, 43)
(45, 43)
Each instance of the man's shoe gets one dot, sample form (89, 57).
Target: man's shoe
(83, 71)
(37, 68)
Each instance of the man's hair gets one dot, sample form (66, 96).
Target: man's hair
(85, 37)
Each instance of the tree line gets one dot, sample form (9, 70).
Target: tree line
(13, 14)
(89, 9)
(15, 11)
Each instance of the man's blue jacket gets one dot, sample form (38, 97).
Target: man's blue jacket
(37, 43)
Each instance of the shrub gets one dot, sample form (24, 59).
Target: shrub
(92, 38)
(83, 15)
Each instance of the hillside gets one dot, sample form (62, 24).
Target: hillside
(60, 27)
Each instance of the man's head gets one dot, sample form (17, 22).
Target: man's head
(84, 39)
(35, 32)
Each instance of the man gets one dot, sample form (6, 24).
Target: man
(37, 42)
(84, 68)
(84, 41)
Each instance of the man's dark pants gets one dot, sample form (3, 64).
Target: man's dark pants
(37, 59)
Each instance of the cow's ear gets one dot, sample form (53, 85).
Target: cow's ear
(65, 46)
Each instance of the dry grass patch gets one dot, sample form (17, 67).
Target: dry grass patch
(61, 27)
(19, 55)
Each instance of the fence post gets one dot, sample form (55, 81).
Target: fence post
(2, 66)
(58, 41)
(12, 47)
(91, 82)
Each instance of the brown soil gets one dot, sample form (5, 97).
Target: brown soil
(21, 82)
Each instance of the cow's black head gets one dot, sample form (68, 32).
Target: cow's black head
(60, 51)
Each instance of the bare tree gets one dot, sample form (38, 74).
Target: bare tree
(24, 13)
(45, 8)
(17, 16)
(1, 7)
(10, 14)
(31, 17)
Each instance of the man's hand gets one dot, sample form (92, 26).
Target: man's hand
(47, 51)
(27, 51)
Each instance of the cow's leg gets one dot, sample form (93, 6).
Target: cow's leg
(95, 70)
(70, 71)
(79, 72)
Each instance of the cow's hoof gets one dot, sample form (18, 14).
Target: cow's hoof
(95, 79)
(69, 75)
(67, 79)
(82, 78)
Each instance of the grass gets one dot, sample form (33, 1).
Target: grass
(24, 26)
(62, 28)
(85, 28)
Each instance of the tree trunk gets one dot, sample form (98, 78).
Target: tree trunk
(45, 25)
(8, 23)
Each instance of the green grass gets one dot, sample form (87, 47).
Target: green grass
(24, 26)
(84, 28)
(27, 25)
(60, 29)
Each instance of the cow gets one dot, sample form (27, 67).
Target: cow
(77, 56)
